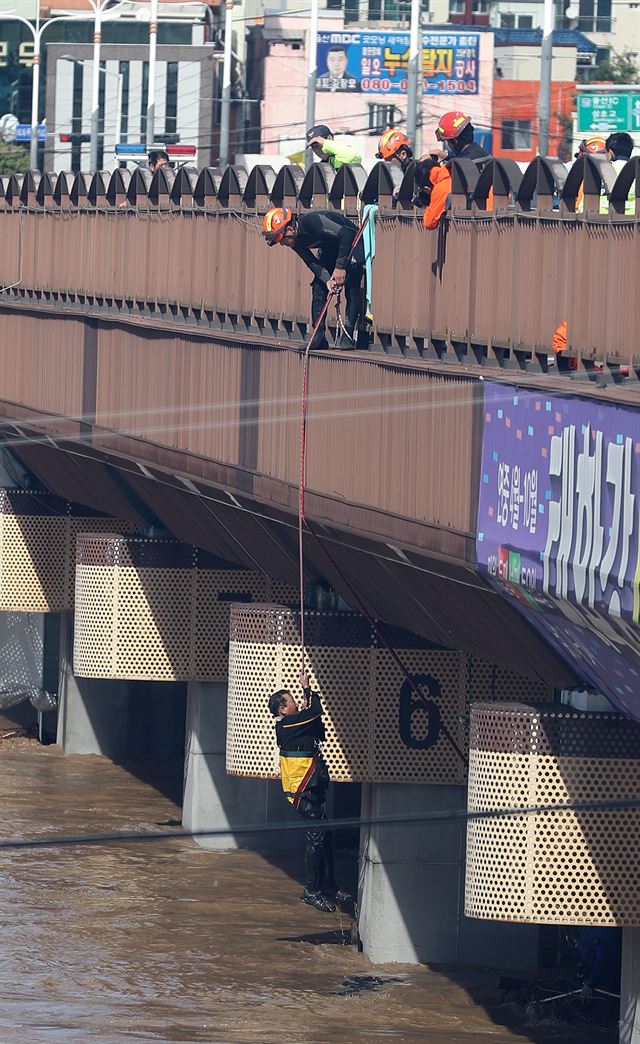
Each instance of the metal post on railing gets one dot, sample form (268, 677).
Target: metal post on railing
(312, 74)
(546, 60)
(151, 92)
(225, 113)
(413, 72)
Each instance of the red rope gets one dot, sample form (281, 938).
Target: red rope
(302, 521)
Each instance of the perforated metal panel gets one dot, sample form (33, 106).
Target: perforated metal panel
(155, 609)
(37, 549)
(561, 867)
(376, 728)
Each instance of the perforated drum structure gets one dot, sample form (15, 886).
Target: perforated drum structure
(561, 867)
(377, 729)
(157, 609)
(37, 549)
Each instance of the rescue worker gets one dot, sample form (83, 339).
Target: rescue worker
(455, 131)
(322, 143)
(619, 146)
(305, 780)
(395, 147)
(336, 265)
(158, 158)
(595, 146)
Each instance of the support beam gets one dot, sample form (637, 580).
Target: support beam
(411, 888)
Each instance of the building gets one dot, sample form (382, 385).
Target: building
(361, 86)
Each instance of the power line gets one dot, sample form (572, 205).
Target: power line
(415, 819)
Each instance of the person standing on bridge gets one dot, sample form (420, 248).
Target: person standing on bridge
(337, 265)
(322, 143)
(395, 147)
(305, 780)
(455, 131)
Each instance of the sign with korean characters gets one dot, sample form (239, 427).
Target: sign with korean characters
(377, 62)
(608, 111)
(559, 527)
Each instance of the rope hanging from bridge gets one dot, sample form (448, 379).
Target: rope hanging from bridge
(303, 522)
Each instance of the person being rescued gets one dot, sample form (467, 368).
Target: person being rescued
(455, 131)
(305, 781)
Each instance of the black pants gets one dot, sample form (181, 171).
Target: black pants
(318, 856)
(319, 292)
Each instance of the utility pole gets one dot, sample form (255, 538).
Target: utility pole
(225, 115)
(151, 85)
(312, 75)
(544, 98)
(414, 77)
(95, 88)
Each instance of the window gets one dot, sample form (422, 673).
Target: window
(516, 134)
(456, 7)
(171, 101)
(480, 6)
(381, 117)
(507, 21)
(525, 21)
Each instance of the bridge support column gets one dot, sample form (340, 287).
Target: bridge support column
(630, 987)
(411, 888)
(212, 799)
(132, 721)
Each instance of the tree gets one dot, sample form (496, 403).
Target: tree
(619, 68)
(14, 159)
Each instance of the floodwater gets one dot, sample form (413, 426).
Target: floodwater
(168, 942)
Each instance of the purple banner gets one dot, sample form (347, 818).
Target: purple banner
(559, 525)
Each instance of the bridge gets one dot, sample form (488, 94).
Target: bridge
(467, 486)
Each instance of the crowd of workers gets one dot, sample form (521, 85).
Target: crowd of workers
(339, 261)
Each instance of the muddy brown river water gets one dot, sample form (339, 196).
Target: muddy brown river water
(169, 942)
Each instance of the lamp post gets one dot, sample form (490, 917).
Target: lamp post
(414, 78)
(225, 111)
(151, 94)
(312, 75)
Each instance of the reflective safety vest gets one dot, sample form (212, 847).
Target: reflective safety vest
(296, 773)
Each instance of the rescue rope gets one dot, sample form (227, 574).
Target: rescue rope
(302, 521)
(303, 435)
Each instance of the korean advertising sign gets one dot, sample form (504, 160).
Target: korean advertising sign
(376, 63)
(559, 527)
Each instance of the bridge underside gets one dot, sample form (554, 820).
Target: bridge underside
(200, 435)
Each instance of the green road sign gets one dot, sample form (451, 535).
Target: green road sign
(608, 112)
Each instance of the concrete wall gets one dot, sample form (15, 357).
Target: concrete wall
(411, 885)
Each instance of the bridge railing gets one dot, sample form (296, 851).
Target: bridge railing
(516, 256)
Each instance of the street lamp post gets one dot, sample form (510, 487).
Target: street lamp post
(151, 93)
(225, 110)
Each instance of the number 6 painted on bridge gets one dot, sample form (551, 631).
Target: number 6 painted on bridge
(410, 702)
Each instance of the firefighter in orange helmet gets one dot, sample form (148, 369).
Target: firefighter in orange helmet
(395, 147)
(336, 265)
(455, 131)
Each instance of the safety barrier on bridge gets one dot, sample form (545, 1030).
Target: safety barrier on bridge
(37, 548)
(156, 609)
(378, 730)
(555, 867)
(489, 288)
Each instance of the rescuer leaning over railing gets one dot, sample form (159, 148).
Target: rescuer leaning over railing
(338, 265)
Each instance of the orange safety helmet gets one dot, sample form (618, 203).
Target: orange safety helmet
(391, 142)
(597, 146)
(274, 224)
(452, 125)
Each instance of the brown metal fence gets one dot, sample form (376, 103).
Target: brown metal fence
(487, 287)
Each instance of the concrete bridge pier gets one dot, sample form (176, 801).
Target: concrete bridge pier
(215, 800)
(132, 721)
(411, 888)
(630, 987)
